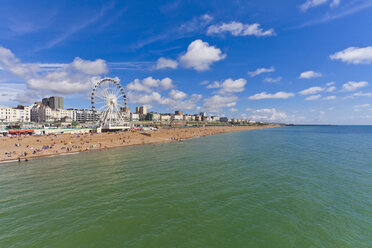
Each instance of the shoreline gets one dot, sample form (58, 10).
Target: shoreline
(63, 144)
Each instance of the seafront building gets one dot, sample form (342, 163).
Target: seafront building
(43, 113)
(83, 115)
(54, 102)
(142, 110)
(51, 111)
(18, 114)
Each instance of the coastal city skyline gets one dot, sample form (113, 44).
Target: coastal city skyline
(295, 62)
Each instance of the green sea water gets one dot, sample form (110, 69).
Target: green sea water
(281, 187)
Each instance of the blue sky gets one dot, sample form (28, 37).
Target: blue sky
(296, 61)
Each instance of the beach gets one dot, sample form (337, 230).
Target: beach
(25, 147)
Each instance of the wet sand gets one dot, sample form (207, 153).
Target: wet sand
(38, 146)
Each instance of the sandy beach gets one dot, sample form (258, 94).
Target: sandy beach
(38, 146)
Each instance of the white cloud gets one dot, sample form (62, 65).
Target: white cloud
(367, 105)
(177, 95)
(188, 104)
(269, 115)
(273, 80)
(96, 67)
(354, 55)
(163, 63)
(330, 83)
(215, 103)
(76, 77)
(240, 29)
(278, 95)
(312, 90)
(200, 56)
(312, 98)
(259, 71)
(351, 86)
(143, 99)
(331, 89)
(309, 75)
(315, 3)
(195, 24)
(229, 86)
(233, 110)
(335, 3)
(177, 99)
(166, 83)
(214, 85)
(149, 84)
(232, 86)
(329, 98)
(362, 94)
(136, 85)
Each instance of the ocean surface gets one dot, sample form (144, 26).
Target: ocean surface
(281, 187)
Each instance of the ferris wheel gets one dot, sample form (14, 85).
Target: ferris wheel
(108, 99)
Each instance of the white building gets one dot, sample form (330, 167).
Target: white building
(83, 115)
(215, 118)
(134, 117)
(141, 110)
(18, 114)
(41, 113)
(187, 117)
(177, 117)
(165, 117)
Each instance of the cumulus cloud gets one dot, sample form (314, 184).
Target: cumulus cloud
(329, 98)
(164, 63)
(269, 115)
(309, 75)
(188, 104)
(96, 67)
(177, 95)
(166, 83)
(312, 90)
(259, 71)
(214, 85)
(215, 103)
(312, 98)
(233, 86)
(331, 89)
(200, 56)
(76, 77)
(149, 84)
(315, 3)
(176, 99)
(354, 55)
(273, 80)
(351, 86)
(278, 95)
(240, 29)
(147, 92)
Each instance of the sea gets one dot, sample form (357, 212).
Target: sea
(279, 187)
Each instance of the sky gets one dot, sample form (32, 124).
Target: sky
(293, 61)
